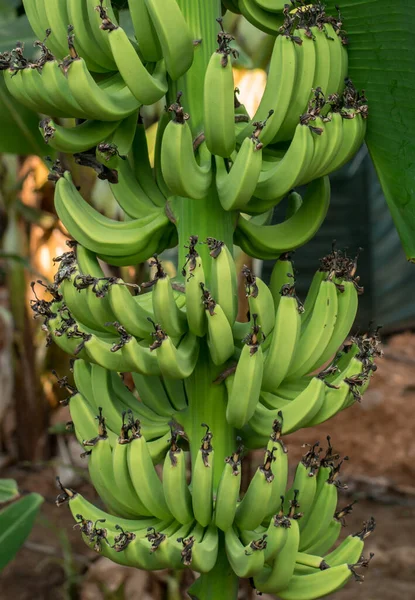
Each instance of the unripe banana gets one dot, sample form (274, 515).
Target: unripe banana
(219, 87)
(175, 486)
(219, 335)
(202, 480)
(246, 386)
(194, 277)
(228, 491)
(254, 505)
(223, 278)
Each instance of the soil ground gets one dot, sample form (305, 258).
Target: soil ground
(377, 435)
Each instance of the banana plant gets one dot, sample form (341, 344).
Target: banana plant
(210, 383)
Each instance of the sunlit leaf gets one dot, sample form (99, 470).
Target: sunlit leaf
(381, 61)
(8, 490)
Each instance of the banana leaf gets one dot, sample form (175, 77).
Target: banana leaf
(381, 61)
(16, 522)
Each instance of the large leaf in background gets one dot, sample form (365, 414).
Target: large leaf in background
(382, 62)
(16, 29)
(18, 124)
(19, 127)
(16, 522)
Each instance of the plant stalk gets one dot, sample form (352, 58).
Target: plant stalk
(219, 584)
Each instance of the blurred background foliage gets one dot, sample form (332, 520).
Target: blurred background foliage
(32, 421)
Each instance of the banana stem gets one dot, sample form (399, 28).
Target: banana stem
(220, 583)
(208, 405)
(204, 218)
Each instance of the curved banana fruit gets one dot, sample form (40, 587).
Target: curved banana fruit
(146, 88)
(175, 486)
(223, 278)
(284, 341)
(246, 561)
(181, 171)
(78, 138)
(194, 277)
(253, 507)
(144, 477)
(178, 50)
(296, 414)
(202, 480)
(218, 104)
(106, 237)
(176, 362)
(276, 578)
(270, 241)
(236, 187)
(166, 312)
(228, 491)
(317, 332)
(145, 33)
(98, 103)
(279, 89)
(246, 386)
(219, 331)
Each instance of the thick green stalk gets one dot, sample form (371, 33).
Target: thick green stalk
(207, 404)
(219, 584)
(204, 218)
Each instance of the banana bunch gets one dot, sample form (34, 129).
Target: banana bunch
(285, 358)
(156, 524)
(166, 455)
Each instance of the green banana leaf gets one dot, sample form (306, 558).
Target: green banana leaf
(16, 522)
(8, 490)
(381, 61)
(19, 127)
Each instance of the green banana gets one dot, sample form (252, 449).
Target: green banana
(253, 507)
(296, 414)
(271, 241)
(176, 490)
(176, 362)
(246, 561)
(276, 578)
(223, 278)
(228, 491)
(145, 33)
(202, 480)
(78, 138)
(284, 341)
(246, 385)
(166, 312)
(317, 331)
(236, 187)
(178, 50)
(280, 86)
(218, 102)
(219, 332)
(144, 477)
(194, 277)
(146, 88)
(182, 173)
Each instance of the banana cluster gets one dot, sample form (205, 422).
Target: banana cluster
(162, 524)
(265, 363)
(276, 369)
(106, 78)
